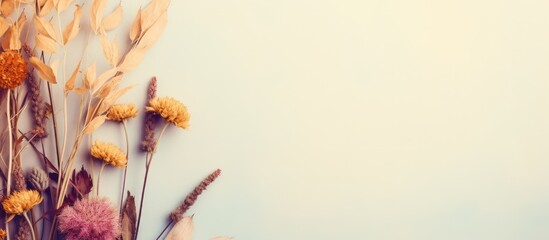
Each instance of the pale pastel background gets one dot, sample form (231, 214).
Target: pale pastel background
(378, 119)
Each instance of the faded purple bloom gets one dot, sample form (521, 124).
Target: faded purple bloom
(92, 218)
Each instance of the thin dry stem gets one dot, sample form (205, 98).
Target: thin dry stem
(126, 167)
(147, 168)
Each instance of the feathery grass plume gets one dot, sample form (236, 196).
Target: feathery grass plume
(109, 153)
(38, 179)
(172, 110)
(21, 201)
(13, 69)
(121, 112)
(93, 218)
(37, 105)
(178, 213)
(149, 142)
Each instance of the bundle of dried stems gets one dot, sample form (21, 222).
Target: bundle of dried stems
(55, 201)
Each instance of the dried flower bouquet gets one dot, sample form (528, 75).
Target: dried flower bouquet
(60, 198)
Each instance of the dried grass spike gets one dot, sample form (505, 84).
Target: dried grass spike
(178, 213)
(149, 142)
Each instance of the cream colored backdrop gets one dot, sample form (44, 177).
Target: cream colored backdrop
(374, 119)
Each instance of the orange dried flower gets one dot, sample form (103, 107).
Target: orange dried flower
(121, 112)
(109, 153)
(2, 234)
(171, 110)
(13, 69)
(22, 201)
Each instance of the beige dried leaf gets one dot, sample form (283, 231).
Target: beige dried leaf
(45, 43)
(110, 50)
(152, 12)
(104, 77)
(74, 26)
(182, 230)
(135, 30)
(154, 32)
(45, 7)
(80, 90)
(4, 25)
(44, 27)
(62, 5)
(112, 20)
(21, 21)
(108, 87)
(90, 77)
(95, 124)
(132, 60)
(12, 39)
(44, 71)
(96, 16)
(69, 85)
(221, 238)
(6, 39)
(7, 7)
(112, 97)
(55, 66)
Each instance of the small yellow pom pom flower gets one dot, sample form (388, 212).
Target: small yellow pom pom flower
(172, 110)
(121, 112)
(109, 153)
(13, 69)
(21, 202)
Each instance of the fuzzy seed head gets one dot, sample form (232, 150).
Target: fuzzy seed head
(93, 218)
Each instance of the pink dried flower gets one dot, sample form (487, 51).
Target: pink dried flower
(93, 218)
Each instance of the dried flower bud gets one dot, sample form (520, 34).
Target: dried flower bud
(38, 179)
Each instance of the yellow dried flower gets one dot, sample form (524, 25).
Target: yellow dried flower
(22, 201)
(171, 110)
(2, 234)
(13, 69)
(121, 112)
(109, 153)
